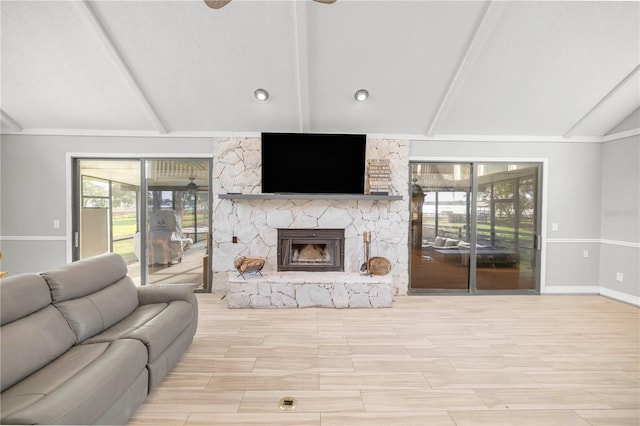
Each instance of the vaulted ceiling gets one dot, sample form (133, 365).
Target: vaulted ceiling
(434, 69)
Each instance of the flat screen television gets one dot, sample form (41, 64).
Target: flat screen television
(313, 163)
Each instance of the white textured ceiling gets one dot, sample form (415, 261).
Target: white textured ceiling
(433, 68)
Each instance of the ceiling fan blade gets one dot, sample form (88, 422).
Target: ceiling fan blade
(326, 1)
(217, 4)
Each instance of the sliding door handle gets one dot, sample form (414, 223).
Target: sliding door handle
(537, 242)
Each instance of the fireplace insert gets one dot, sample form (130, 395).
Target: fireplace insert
(310, 249)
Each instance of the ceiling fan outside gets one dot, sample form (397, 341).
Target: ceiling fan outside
(218, 4)
(191, 186)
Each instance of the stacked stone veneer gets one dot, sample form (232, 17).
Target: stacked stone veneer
(309, 289)
(237, 168)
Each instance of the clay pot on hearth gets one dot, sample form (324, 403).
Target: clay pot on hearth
(379, 265)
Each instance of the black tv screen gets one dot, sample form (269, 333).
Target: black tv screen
(313, 163)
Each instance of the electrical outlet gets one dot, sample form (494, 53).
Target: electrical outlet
(234, 239)
(554, 226)
(619, 276)
(585, 253)
(56, 224)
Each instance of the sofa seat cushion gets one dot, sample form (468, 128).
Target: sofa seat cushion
(156, 325)
(78, 387)
(30, 343)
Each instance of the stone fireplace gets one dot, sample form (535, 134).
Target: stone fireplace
(311, 250)
(251, 227)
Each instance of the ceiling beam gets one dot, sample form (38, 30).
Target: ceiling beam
(301, 49)
(120, 63)
(480, 35)
(10, 122)
(620, 86)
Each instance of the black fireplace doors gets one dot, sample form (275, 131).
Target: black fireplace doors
(310, 250)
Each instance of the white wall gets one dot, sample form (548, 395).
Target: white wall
(580, 178)
(35, 184)
(620, 219)
(577, 176)
(632, 122)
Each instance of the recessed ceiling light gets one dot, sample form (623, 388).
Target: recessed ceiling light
(261, 94)
(361, 95)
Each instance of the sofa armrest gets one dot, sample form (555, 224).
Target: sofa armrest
(165, 293)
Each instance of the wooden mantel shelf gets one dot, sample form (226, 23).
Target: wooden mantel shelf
(346, 197)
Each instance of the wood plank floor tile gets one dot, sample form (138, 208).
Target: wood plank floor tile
(146, 416)
(452, 351)
(520, 418)
(421, 400)
(429, 360)
(621, 398)
(304, 364)
(373, 380)
(263, 380)
(187, 401)
(480, 380)
(264, 351)
(500, 363)
(307, 401)
(585, 379)
(254, 419)
(200, 364)
(362, 350)
(304, 340)
(541, 399)
(611, 417)
(394, 418)
(186, 381)
(593, 362)
(402, 364)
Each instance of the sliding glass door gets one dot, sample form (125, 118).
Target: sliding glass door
(474, 227)
(442, 192)
(507, 225)
(154, 212)
(106, 210)
(177, 220)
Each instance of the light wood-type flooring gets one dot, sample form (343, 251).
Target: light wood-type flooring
(429, 360)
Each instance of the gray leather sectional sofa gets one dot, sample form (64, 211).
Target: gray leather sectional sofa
(82, 344)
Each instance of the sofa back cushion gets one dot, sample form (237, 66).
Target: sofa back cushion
(93, 293)
(22, 295)
(450, 242)
(439, 242)
(85, 276)
(34, 332)
(92, 314)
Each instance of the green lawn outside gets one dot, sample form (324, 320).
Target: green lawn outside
(501, 232)
(125, 249)
(124, 226)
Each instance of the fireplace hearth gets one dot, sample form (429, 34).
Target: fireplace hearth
(313, 250)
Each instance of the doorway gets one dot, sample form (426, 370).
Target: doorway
(475, 227)
(153, 212)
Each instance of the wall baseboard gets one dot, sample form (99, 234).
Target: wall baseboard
(623, 297)
(602, 291)
(571, 289)
(593, 241)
